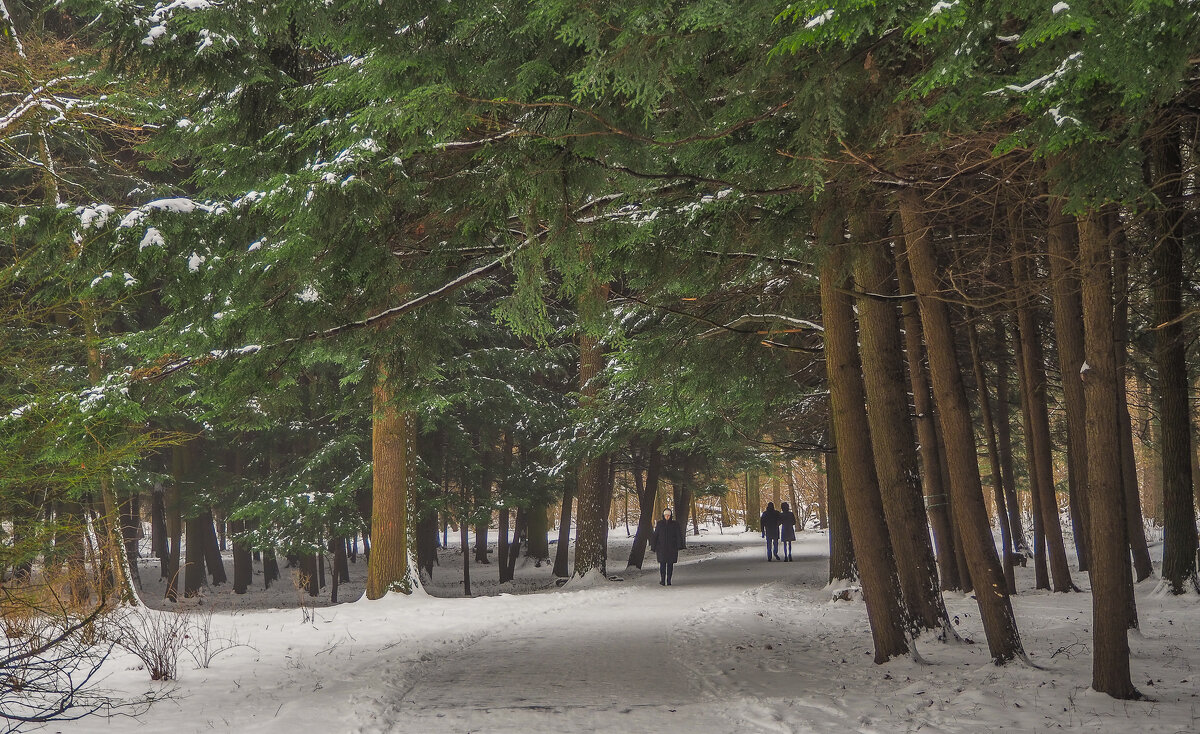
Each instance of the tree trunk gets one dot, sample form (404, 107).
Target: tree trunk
(591, 554)
(999, 624)
(160, 544)
(1110, 561)
(864, 506)
(989, 429)
(538, 545)
(180, 471)
(1041, 568)
(270, 567)
(753, 502)
(562, 552)
(647, 490)
(212, 551)
(1042, 464)
(1134, 523)
(937, 495)
(842, 566)
(243, 565)
(193, 574)
(1068, 334)
(1020, 545)
(393, 457)
(891, 432)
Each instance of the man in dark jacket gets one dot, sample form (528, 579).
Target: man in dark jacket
(665, 544)
(769, 522)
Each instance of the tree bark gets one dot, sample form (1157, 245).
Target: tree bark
(591, 553)
(212, 551)
(989, 430)
(753, 502)
(1068, 335)
(937, 503)
(864, 506)
(842, 566)
(999, 624)
(393, 456)
(1020, 545)
(1135, 528)
(891, 431)
(1110, 561)
(1042, 464)
(243, 564)
(562, 551)
(647, 490)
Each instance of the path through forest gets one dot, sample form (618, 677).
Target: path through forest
(616, 666)
(736, 645)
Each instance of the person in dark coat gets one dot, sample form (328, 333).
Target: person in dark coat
(787, 530)
(769, 522)
(665, 544)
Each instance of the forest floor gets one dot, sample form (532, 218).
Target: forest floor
(735, 645)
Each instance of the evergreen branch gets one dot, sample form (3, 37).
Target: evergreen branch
(716, 325)
(428, 297)
(613, 129)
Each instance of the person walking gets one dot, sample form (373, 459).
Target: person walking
(787, 530)
(665, 544)
(769, 522)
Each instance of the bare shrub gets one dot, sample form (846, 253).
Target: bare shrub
(201, 645)
(154, 637)
(300, 581)
(50, 659)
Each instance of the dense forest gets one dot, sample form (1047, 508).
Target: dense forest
(341, 278)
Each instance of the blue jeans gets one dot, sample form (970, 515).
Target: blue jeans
(772, 546)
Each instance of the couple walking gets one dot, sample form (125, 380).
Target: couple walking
(778, 525)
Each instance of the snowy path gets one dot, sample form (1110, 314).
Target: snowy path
(612, 666)
(736, 645)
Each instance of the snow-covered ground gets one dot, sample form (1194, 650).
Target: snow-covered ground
(735, 645)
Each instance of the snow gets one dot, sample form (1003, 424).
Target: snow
(940, 6)
(735, 645)
(819, 19)
(94, 216)
(194, 262)
(152, 238)
(1059, 7)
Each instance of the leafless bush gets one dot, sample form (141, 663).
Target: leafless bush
(154, 637)
(300, 580)
(50, 659)
(202, 645)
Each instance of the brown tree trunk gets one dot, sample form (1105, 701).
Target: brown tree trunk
(999, 624)
(393, 457)
(1042, 464)
(1068, 335)
(753, 502)
(989, 430)
(562, 552)
(193, 574)
(1110, 561)
(647, 490)
(180, 470)
(1041, 568)
(591, 553)
(1134, 524)
(864, 506)
(270, 567)
(1020, 545)
(891, 432)
(243, 564)
(842, 566)
(937, 505)
(212, 551)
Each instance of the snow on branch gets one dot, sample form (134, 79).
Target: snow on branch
(759, 318)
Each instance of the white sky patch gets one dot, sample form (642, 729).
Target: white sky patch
(152, 238)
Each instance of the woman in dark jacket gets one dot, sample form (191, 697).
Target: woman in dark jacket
(665, 543)
(769, 522)
(787, 530)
